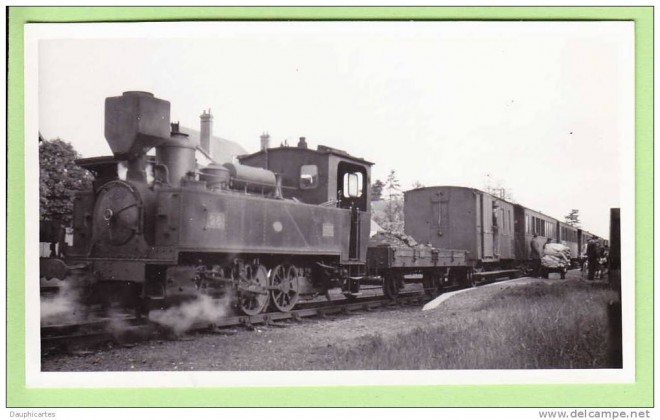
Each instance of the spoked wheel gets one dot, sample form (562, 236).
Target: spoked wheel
(285, 287)
(390, 286)
(253, 294)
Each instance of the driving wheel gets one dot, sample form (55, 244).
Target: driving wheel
(253, 294)
(285, 287)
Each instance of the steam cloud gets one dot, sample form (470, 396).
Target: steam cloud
(182, 318)
(63, 307)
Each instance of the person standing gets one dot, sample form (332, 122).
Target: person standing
(535, 256)
(592, 258)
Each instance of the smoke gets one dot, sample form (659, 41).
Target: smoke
(182, 318)
(63, 307)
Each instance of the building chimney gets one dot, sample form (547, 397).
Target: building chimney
(265, 141)
(206, 131)
(302, 144)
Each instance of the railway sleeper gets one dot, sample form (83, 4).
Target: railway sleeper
(492, 275)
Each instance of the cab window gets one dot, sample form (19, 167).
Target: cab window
(309, 177)
(352, 185)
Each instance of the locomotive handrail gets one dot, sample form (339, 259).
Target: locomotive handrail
(329, 203)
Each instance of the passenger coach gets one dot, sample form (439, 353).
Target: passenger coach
(463, 218)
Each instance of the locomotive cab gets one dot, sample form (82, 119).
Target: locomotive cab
(325, 177)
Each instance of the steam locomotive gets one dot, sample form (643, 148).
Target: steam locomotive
(274, 228)
(279, 226)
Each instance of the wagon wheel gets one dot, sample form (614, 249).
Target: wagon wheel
(390, 287)
(433, 284)
(253, 294)
(471, 279)
(285, 287)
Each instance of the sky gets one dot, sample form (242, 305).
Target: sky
(544, 109)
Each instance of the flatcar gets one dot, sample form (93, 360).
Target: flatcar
(399, 263)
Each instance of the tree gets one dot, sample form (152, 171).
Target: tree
(377, 190)
(417, 184)
(59, 179)
(573, 218)
(497, 189)
(392, 184)
(393, 217)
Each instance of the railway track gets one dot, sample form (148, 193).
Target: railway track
(80, 337)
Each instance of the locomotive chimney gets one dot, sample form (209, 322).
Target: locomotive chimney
(265, 141)
(134, 123)
(206, 131)
(177, 154)
(302, 143)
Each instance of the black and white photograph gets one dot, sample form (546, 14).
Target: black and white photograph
(353, 202)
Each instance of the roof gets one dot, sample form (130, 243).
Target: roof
(475, 190)
(227, 148)
(322, 150)
(484, 192)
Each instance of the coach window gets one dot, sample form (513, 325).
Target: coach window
(309, 177)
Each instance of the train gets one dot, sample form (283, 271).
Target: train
(269, 230)
(496, 233)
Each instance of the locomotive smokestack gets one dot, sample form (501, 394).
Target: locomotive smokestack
(265, 141)
(134, 123)
(206, 131)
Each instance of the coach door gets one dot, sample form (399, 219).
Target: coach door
(351, 194)
(489, 227)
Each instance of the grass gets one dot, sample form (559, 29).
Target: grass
(536, 326)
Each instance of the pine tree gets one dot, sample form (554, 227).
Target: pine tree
(394, 210)
(573, 218)
(377, 190)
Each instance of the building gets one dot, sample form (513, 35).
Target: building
(211, 148)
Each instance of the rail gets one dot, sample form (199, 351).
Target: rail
(73, 338)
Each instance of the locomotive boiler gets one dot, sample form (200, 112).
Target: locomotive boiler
(278, 226)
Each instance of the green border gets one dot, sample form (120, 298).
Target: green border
(639, 394)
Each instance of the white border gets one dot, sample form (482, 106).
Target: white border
(35, 378)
